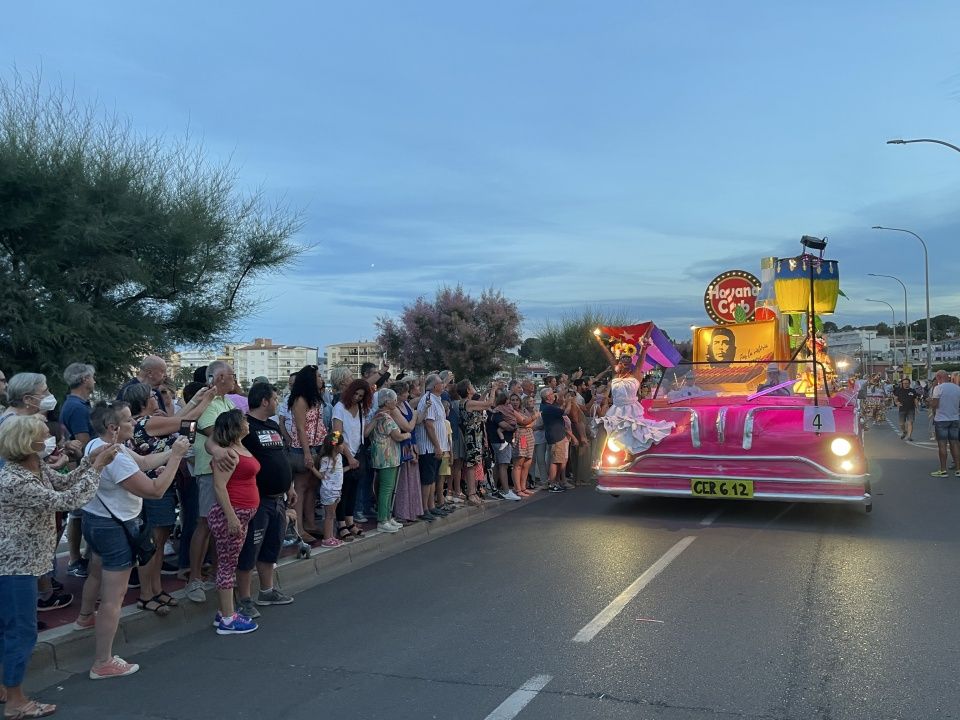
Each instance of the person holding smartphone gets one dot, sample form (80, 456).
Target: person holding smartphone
(155, 433)
(110, 519)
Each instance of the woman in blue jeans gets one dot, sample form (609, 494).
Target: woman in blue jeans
(109, 520)
(30, 495)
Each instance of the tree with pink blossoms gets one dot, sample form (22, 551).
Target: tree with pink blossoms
(453, 332)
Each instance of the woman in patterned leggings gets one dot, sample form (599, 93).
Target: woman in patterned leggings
(237, 502)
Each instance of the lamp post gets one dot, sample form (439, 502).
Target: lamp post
(926, 279)
(869, 354)
(898, 141)
(893, 315)
(906, 317)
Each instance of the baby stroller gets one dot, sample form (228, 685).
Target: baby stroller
(293, 536)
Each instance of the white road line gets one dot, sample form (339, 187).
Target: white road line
(593, 627)
(512, 706)
(708, 520)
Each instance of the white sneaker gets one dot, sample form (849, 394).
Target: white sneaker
(393, 521)
(511, 495)
(387, 527)
(114, 667)
(195, 591)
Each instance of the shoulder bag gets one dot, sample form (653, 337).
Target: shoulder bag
(141, 545)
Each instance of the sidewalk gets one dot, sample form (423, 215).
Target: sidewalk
(62, 651)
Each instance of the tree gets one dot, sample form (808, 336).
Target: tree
(568, 343)
(455, 332)
(113, 245)
(943, 326)
(531, 349)
(883, 329)
(830, 327)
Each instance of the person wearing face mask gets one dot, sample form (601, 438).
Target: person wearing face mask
(31, 492)
(28, 394)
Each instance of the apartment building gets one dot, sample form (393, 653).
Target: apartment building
(353, 355)
(263, 357)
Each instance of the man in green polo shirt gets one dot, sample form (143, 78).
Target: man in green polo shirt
(221, 377)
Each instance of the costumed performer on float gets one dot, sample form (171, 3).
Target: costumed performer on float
(624, 421)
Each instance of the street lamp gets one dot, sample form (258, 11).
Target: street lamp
(926, 279)
(898, 141)
(893, 315)
(906, 316)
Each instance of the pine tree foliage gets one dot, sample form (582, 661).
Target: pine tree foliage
(114, 245)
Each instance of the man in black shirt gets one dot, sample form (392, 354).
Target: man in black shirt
(906, 399)
(275, 479)
(554, 432)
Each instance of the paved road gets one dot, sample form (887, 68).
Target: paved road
(771, 611)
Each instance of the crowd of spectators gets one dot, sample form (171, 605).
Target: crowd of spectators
(231, 476)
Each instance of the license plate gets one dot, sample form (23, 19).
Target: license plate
(722, 488)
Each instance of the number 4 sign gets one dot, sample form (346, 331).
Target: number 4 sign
(818, 419)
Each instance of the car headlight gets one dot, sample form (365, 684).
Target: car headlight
(841, 447)
(614, 446)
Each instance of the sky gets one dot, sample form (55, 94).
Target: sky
(611, 154)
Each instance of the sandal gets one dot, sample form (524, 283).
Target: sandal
(160, 609)
(344, 534)
(32, 709)
(476, 502)
(355, 531)
(166, 598)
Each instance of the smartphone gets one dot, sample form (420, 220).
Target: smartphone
(188, 428)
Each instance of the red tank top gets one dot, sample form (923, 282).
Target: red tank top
(242, 485)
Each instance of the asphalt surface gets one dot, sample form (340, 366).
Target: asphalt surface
(774, 610)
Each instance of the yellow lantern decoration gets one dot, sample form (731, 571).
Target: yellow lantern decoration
(792, 284)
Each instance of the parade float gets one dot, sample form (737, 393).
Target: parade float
(756, 414)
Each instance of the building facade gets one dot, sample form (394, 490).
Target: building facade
(264, 358)
(353, 355)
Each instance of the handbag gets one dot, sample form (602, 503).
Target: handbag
(141, 545)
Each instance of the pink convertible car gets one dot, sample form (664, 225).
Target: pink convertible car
(771, 444)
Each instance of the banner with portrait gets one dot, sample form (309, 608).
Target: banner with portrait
(752, 345)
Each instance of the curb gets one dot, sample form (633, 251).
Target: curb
(64, 651)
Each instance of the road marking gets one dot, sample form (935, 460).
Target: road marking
(512, 706)
(708, 520)
(593, 627)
